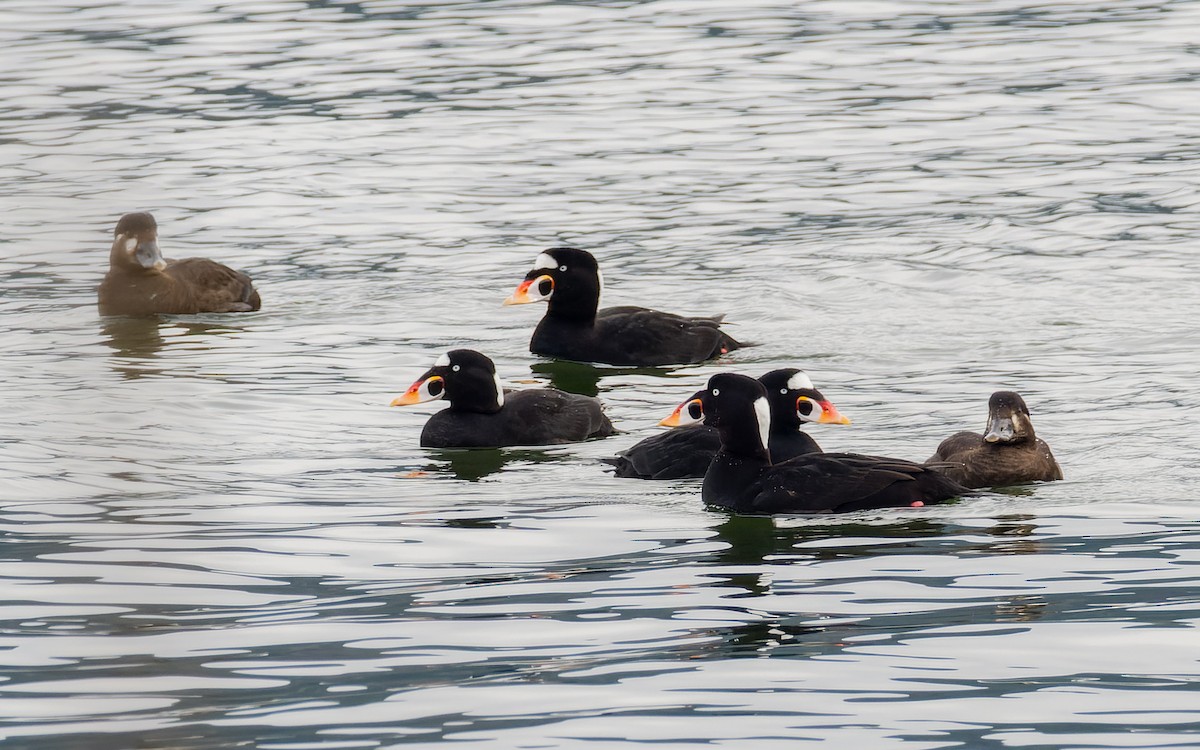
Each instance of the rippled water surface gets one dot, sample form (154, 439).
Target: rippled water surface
(216, 534)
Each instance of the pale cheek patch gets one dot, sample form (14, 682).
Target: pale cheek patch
(544, 261)
(442, 361)
(499, 390)
(131, 244)
(800, 382)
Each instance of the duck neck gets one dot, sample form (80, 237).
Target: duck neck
(577, 304)
(728, 476)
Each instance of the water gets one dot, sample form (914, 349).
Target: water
(217, 534)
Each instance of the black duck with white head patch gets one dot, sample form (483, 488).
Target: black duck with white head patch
(574, 328)
(741, 477)
(687, 451)
(1008, 452)
(484, 415)
(140, 281)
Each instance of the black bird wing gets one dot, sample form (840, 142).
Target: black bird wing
(681, 453)
(840, 482)
(658, 338)
(543, 416)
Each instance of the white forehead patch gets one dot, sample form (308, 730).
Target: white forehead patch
(544, 261)
(800, 382)
(762, 411)
(442, 361)
(499, 390)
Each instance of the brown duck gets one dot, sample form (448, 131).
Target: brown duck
(1007, 453)
(141, 282)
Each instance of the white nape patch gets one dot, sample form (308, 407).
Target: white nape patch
(442, 361)
(131, 244)
(800, 382)
(762, 411)
(599, 282)
(544, 261)
(499, 390)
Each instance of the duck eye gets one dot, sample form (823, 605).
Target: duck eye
(456, 368)
(716, 391)
(694, 411)
(783, 391)
(804, 406)
(545, 287)
(562, 268)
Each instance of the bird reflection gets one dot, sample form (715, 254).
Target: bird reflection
(477, 463)
(584, 379)
(138, 341)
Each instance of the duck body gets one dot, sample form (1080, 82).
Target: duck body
(140, 281)
(631, 337)
(1007, 453)
(539, 416)
(742, 478)
(823, 483)
(575, 328)
(484, 415)
(686, 452)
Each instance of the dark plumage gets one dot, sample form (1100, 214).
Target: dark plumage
(483, 415)
(687, 451)
(1007, 453)
(573, 328)
(141, 282)
(742, 478)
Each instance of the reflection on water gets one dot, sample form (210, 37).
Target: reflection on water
(583, 378)
(473, 465)
(918, 203)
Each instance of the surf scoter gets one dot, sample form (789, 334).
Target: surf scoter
(1008, 451)
(141, 282)
(568, 280)
(741, 477)
(483, 415)
(686, 452)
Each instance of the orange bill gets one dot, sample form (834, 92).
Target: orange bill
(830, 414)
(686, 413)
(522, 296)
(425, 389)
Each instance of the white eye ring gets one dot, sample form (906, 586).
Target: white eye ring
(716, 391)
(783, 391)
(456, 368)
(562, 268)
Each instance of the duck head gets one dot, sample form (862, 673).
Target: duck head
(135, 244)
(566, 278)
(1008, 419)
(737, 406)
(464, 377)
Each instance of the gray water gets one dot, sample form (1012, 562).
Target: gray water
(217, 534)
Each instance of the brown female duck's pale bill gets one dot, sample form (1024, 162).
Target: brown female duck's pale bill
(140, 281)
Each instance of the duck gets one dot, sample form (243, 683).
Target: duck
(742, 478)
(568, 279)
(483, 414)
(686, 452)
(140, 281)
(1008, 452)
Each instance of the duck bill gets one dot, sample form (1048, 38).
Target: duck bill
(685, 413)
(426, 389)
(830, 414)
(528, 291)
(1000, 429)
(148, 255)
